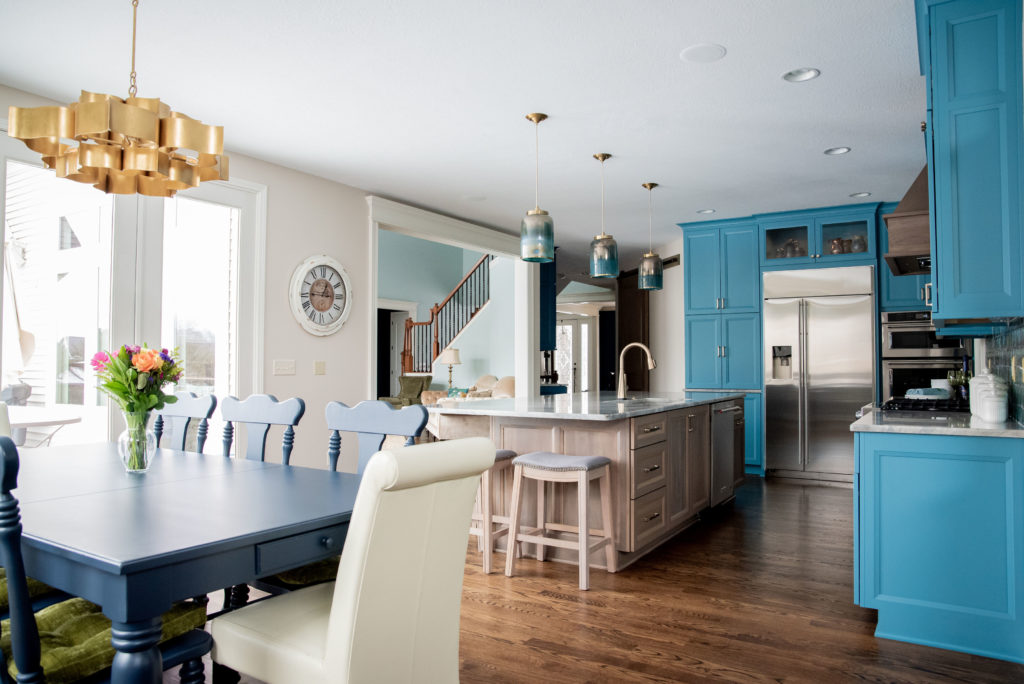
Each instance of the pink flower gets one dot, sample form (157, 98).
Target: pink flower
(100, 361)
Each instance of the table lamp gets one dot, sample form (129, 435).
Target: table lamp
(451, 357)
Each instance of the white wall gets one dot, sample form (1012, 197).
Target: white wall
(306, 215)
(667, 331)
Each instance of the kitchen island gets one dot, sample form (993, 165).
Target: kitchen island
(939, 530)
(664, 470)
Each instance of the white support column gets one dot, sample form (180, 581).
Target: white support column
(527, 322)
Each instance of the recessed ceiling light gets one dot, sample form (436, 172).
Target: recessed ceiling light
(703, 53)
(801, 74)
(705, 211)
(832, 151)
(861, 194)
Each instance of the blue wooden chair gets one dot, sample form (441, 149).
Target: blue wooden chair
(256, 414)
(78, 635)
(175, 419)
(372, 422)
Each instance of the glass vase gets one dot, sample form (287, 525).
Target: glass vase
(136, 445)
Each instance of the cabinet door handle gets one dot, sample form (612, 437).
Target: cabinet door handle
(921, 294)
(653, 516)
(652, 468)
(723, 302)
(723, 350)
(689, 423)
(652, 428)
(928, 294)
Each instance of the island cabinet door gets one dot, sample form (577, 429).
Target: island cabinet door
(678, 504)
(698, 458)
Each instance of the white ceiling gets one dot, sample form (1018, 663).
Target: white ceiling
(424, 102)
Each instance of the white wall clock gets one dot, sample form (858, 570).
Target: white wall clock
(320, 295)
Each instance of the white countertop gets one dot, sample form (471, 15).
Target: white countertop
(934, 423)
(582, 406)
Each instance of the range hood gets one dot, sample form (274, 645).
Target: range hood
(909, 251)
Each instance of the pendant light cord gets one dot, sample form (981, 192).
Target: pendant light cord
(132, 87)
(650, 220)
(537, 162)
(602, 197)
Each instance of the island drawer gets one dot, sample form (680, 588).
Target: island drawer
(647, 514)
(648, 430)
(649, 465)
(291, 552)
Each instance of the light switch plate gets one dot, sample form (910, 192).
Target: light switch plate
(284, 366)
(319, 368)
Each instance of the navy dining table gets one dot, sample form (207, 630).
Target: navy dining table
(192, 524)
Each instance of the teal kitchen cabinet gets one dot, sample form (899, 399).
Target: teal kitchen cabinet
(723, 351)
(939, 540)
(971, 55)
(721, 267)
(818, 237)
(898, 293)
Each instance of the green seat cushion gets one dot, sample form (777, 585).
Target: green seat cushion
(75, 637)
(325, 570)
(35, 589)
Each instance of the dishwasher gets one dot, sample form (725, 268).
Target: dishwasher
(723, 450)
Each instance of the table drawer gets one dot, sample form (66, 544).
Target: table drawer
(290, 552)
(649, 468)
(648, 517)
(648, 430)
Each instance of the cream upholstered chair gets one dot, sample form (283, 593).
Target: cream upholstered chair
(393, 613)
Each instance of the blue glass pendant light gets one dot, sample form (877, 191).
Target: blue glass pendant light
(537, 232)
(651, 273)
(604, 253)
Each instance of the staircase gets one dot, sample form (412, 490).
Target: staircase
(425, 340)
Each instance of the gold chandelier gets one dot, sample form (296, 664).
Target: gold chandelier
(135, 145)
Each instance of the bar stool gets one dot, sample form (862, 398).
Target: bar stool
(544, 467)
(484, 519)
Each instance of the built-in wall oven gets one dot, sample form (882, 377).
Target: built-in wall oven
(910, 334)
(913, 354)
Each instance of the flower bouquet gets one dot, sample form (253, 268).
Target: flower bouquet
(135, 378)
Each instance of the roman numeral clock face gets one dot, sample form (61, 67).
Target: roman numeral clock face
(321, 295)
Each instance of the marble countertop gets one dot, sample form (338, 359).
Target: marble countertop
(581, 406)
(934, 423)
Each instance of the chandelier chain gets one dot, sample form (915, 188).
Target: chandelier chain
(132, 86)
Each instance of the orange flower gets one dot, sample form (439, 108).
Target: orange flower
(147, 360)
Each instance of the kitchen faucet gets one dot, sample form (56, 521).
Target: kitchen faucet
(651, 365)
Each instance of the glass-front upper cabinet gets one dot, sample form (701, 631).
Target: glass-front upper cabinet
(788, 241)
(819, 237)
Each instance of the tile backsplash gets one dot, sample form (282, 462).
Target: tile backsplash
(1006, 359)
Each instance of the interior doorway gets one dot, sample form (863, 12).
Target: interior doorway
(575, 353)
(391, 317)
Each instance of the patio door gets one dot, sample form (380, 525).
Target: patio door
(85, 271)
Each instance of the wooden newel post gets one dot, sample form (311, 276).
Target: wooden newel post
(434, 310)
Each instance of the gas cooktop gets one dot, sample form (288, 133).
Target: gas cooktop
(908, 404)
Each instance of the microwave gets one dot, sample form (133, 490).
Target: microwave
(900, 375)
(910, 334)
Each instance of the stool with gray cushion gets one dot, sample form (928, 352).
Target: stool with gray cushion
(484, 518)
(545, 467)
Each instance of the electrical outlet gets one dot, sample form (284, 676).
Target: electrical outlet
(284, 366)
(319, 368)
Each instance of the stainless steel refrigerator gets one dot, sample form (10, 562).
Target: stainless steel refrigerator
(819, 361)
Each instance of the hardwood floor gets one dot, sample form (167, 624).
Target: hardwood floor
(761, 591)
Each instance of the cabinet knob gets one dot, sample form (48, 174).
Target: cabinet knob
(326, 542)
(924, 126)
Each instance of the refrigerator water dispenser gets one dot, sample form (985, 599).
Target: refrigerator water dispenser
(782, 366)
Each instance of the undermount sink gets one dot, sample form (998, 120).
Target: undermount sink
(647, 400)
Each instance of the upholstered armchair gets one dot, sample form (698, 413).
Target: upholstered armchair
(409, 389)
